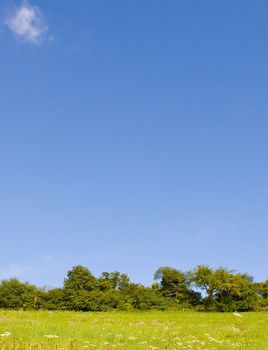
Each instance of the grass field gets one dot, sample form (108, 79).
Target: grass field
(132, 330)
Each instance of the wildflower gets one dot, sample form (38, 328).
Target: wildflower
(131, 338)
(51, 336)
(154, 323)
(5, 334)
(213, 339)
(235, 330)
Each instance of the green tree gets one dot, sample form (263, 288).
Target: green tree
(113, 280)
(16, 295)
(262, 294)
(136, 296)
(174, 285)
(52, 299)
(77, 286)
(225, 289)
(80, 278)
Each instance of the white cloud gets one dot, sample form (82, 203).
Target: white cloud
(27, 24)
(48, 269)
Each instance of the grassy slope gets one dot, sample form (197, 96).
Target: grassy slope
(133, 330)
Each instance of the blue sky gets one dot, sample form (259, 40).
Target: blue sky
(133, 134)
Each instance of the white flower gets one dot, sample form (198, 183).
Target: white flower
(5, 334)
(213, 339)
(237, 314)
(131, 338)
(51, 336)
(235, 330)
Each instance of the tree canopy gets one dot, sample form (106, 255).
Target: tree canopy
(201, 289)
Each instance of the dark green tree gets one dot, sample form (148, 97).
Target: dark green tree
(174, 285)
(225, 289)
(261, 289)
(80, 278)
(113, 280)
(17, 295)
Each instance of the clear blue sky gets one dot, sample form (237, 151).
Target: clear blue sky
(133, 134)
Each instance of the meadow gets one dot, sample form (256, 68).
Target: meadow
(153, 330)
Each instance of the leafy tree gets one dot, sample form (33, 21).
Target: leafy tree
(226, 290)
(52, 299)
(172, 281)
(262, 289)
(262, 294)
(136, 296)
(79, 278)
(113, 280)
(15, 294)
(77, 286)
(235, 292)
(174, 285)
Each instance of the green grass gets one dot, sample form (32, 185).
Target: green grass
(132, 330)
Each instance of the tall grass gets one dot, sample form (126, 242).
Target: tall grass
(132, 330)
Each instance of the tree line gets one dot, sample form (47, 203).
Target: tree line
(201, 289)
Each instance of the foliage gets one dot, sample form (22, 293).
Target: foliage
(262, 295)
(225, 289)
(174, 285)
(17, 295)
(200, 289)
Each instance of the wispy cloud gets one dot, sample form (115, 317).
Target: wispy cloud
(49, 269)
(27, 23)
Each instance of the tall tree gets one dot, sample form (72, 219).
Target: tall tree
(174, 285)
(80, 278)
